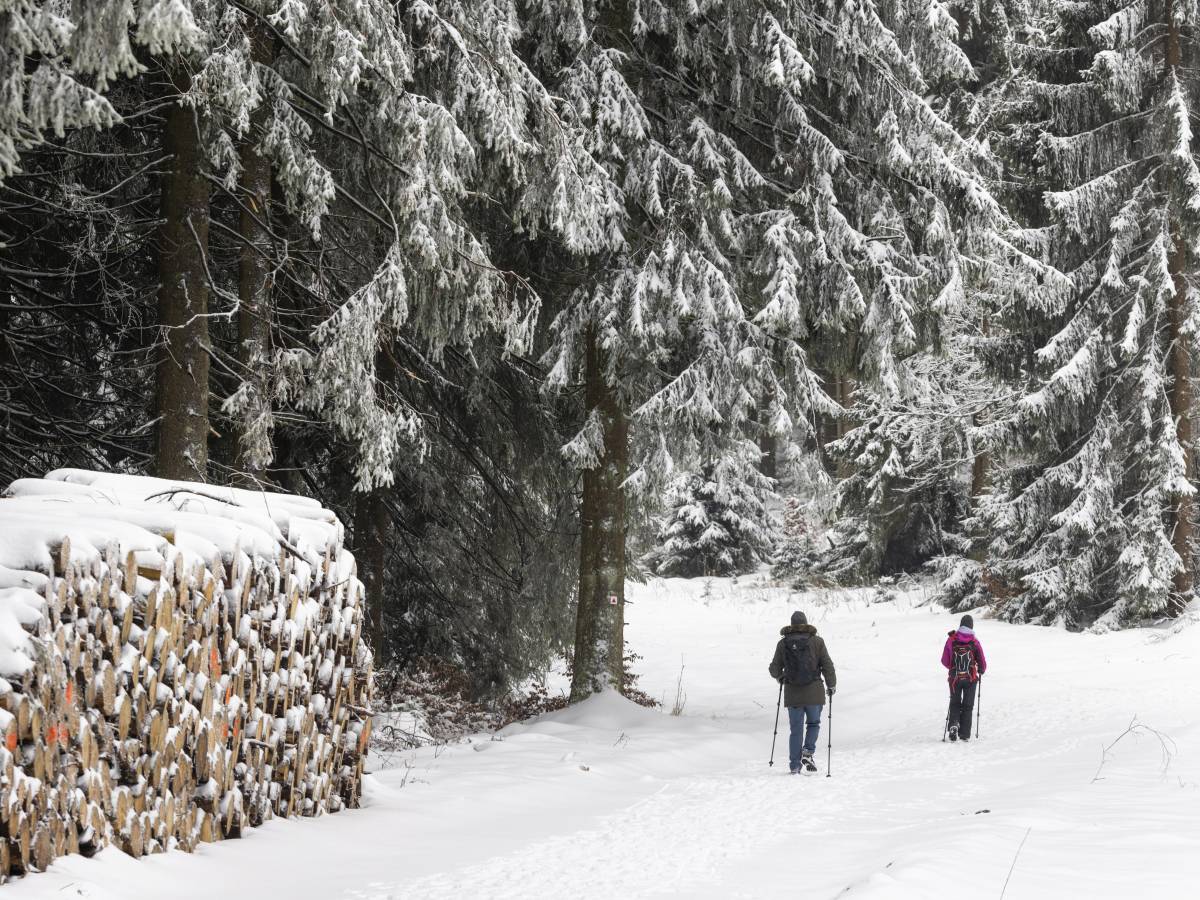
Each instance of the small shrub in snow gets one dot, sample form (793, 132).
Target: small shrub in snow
(431, 702)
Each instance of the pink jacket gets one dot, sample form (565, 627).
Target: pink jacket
(962, 636)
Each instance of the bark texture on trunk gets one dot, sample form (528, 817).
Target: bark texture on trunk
(182, 389)
(1180, 394)
(845, 398)
(370, 547)
(980, 463)
(254, 260)
(600, 619)
(769, 445)
(1180, 367)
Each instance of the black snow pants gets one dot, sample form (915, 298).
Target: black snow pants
(962, 704)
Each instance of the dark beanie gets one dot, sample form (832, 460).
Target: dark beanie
(799, 618)
(967, 621)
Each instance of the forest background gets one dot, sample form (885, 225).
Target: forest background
(542, 294)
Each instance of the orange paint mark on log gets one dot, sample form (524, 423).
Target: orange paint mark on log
(51, 735)
(224, 731)
(214, 662)
(11, 741)
(70, 692)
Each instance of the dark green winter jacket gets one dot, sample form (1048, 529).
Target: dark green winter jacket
(806, 694)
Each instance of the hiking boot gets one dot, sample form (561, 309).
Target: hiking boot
(954, 732)
(806, 762)
(964, 738)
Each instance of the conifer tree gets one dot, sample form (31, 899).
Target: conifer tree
(390, 314)
(717, 522)
(797, 552)
(1091, 516)
(908, 463)
(782, 181)
(42, 94)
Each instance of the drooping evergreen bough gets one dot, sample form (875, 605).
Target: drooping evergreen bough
(348, 172)
(798, 548)
(318, 228)
(907, 476)
(1090, 519)
(780, 181)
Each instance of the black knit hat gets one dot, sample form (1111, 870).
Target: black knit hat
(799, 618)
(967, 621)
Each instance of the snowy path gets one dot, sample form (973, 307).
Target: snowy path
(610, 800)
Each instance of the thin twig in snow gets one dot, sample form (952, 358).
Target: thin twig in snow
(1135, 727)
(1014, 862)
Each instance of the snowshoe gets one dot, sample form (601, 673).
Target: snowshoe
(954, 732)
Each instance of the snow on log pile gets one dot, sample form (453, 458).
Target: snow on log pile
(178, 662)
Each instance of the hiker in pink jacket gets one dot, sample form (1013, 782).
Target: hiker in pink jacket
(964, 660)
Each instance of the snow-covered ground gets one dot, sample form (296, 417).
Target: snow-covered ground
(607, 799)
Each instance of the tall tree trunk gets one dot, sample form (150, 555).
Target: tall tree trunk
(845, 399)
(825, 426)
(182, 396)
(1180, 364)
(254, 261)
(979, 467)
(1181, 408)
(844, 395)
(981, 460)
(768, 443)
(600, 619)
(599, 661)
(980, 470)
(370, 534)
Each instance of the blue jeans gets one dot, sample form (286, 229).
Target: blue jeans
(797, 715)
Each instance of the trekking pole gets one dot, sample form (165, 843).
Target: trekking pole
(778, 704)
(829, 738)
(979, 708)
(949, 706)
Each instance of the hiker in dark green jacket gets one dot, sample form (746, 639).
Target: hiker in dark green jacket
(801, 662)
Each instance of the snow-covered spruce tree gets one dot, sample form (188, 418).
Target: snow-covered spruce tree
(310, 109)
(717, 522)
(1091, 516)
(797, 550)
(1000, 37)
(908, 473)
(95, 187)
(450, 153)
(44, 408)
(953, 387)
(421, 316)
(195, 69)
(467, 555)
(41, 93)
(782, 182)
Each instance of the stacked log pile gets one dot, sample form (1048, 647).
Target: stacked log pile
(178, 662)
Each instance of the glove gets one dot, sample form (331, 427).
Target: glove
(831, 691)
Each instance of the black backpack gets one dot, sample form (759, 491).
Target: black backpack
(799, 660)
